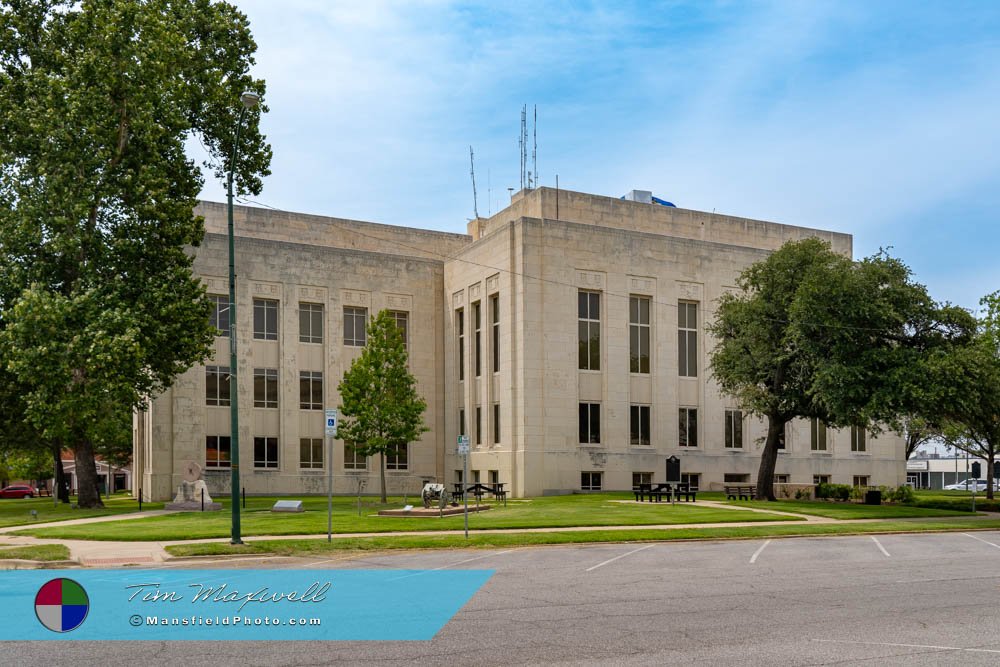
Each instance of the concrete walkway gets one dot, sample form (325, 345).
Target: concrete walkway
(94, 553)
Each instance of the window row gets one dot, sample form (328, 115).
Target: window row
(594, 480)
(218, 450)
(589, 334)
(218, 388)
(478, 426)
(687, 428)
(311, 318)
(477, 337)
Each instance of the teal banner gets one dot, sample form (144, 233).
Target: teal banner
(228, 605)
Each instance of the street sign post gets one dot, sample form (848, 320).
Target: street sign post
(330, 420)
(463, 450)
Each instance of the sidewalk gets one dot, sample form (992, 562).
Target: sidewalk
(107, 554)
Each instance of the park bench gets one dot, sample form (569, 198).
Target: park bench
(743, 492)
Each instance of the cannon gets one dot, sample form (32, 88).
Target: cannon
(435, 492)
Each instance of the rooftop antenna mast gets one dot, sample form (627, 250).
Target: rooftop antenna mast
(472, 172)
(534, 150)
(522, 144)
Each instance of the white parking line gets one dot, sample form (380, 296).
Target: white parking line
(612, 560)
(982, 540)
(469, 560)
(753, 559)
(879, 545)
(931, 646)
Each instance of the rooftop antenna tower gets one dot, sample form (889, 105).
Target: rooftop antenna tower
(522, 144)
(534, 150)
(472, 172)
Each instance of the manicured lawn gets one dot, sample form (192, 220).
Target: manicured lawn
(319, 547)
(15, 512)
(257, 519)
(837, 510)
(36, 552)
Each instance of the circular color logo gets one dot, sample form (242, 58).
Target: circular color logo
(61, 605)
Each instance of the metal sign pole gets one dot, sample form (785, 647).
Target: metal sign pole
(465, 493)
(331, 433)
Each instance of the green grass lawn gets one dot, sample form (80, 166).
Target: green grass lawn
(838, 510)
(35, 552)
(257, 519)
(17, 511)
(319, 547)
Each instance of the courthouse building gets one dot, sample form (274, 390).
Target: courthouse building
(564, 335)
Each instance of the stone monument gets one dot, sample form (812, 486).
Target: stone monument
(192, 494)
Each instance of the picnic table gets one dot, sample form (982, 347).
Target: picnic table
(479, 490)
(657, 491)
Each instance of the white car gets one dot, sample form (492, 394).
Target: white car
(969, 485)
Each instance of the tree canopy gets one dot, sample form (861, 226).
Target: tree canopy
(969, 401)
(380, 409)
(99, 309)
(813, 334)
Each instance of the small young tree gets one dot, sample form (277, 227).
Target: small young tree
(380, 409)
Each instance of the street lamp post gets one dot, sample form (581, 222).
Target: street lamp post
(249, 101)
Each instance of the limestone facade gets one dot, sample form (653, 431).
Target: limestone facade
(545, 413)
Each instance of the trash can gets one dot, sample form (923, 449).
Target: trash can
(873, 497)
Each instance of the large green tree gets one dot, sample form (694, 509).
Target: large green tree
(99, 308)
(381, 410)
(969, 402)
(813, 334)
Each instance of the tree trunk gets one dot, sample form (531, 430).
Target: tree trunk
(87, 495)
(382, 471)
(765, 475)
(61, 489)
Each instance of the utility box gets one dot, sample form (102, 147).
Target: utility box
(873, 497)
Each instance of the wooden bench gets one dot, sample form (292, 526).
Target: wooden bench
(742, 492)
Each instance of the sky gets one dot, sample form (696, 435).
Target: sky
(878, 119)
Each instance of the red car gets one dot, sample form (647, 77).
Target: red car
(18, 491)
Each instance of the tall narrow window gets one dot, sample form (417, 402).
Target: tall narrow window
(734, 429)
(590, 423)
(265, 319)
(639, 424)
(355, 320)
(782, 438)
(310, 453)
(817, 435)
(461, 421)
(479, 425)
(265, 452)
(858, 442)
(310, 390)
(687, 435)
(402, 323)
(217, 385)
(217, 449)
(495, 333)
(638, 330)
(477, 324)
(220, 313)
(396, 458)
(352, 459)
(496, 423)
(460, 326)
(310, 323)
(265, 387)
(687, 338)
(589, 312)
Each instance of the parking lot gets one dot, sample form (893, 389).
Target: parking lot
(926, 599)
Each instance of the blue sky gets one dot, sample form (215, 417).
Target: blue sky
(879, 119)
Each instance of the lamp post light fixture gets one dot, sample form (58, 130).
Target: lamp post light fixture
(249, 100)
